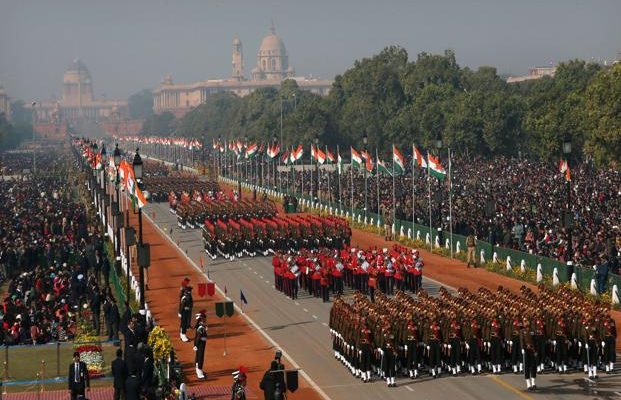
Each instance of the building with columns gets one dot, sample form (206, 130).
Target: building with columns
(5, 104)
(78, 102)
(272, 67)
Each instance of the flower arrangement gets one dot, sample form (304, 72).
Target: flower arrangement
(91, 353)
(160, 342)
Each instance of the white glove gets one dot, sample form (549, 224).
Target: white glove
(449, 346)
(405, 347)
(445, 345)
(554, 343)
(603, 344)
(381, 351)
(428, 347)
(510, 342)
(579, 344)
(586, 345)
(195, 348)
(467, 346)
(360, 352)
(523, 351)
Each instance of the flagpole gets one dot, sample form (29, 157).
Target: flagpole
(338, 170)
(450, 202)
(394, 203)
(377, 187)
(429, 188)
(311, 174)
(413, 192)
(351, 171)
(329, 187)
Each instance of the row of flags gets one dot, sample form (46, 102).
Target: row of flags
(126, 173)
(186, 143)
(319, 155)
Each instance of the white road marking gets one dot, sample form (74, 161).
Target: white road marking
(324, 324)
(314, 316)
(250, 320)
(255, 272)
(261, 276)
(297, 304)
(267, 282)
(409, 388)
(305, 310)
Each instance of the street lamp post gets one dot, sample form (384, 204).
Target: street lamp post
(104, 185)
(569, 214)
(116, 159)
(137, 164)
(34, 150)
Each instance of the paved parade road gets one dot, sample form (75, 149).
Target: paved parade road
(301, 329)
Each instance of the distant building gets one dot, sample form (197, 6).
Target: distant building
(533, 73)
(78, 102)
(5, 104)
(272, 67)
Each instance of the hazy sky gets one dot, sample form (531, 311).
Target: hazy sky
(129, 45)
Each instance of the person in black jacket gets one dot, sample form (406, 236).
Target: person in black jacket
(78, 379)
(148, 372)
(272, 379)
(132, 386)
(119, 373)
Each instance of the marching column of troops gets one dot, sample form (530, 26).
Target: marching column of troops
(186, 303)
(498, 332)
(263, 232)
(328, 271)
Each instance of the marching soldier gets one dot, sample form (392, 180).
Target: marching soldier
(529, 355)
(473, 346)
(185, 309)
(609, 342)
(200, 342)
(411, 349)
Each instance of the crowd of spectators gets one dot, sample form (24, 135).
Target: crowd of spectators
(15, 162)
(52, 257)
(510, 202)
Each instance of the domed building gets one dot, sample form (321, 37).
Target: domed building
(271, 69)
(272, 59)
(78, 100)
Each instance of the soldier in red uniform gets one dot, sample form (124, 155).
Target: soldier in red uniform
(529, 354)
(365, 352)
(560, 344)
(496, 357)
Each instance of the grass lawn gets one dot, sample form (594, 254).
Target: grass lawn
(24, 362)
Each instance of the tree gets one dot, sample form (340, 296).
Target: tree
(159, 124)
(602, 104)
(141, 104)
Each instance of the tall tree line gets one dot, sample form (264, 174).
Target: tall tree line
(392, 99)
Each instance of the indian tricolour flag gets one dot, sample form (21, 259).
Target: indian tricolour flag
(563, 167)
(382, 169)
(435, 168)
(339, 161)
(356, 159)
(321, 156)
(398, 160)
(297, 153)
(418, 157)
(134, 190)
(251, 150)
(329, 156)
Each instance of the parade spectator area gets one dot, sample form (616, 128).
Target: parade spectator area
(50, 264)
